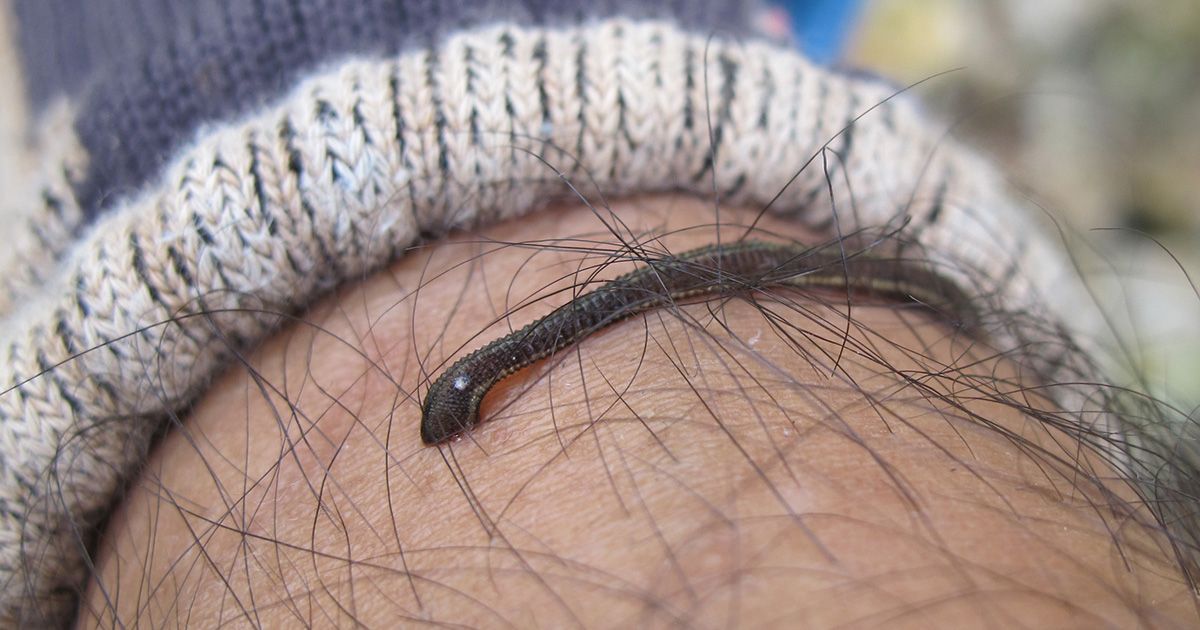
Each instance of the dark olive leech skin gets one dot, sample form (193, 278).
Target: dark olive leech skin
(452, 403)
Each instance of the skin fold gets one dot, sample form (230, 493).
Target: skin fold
(727, 463)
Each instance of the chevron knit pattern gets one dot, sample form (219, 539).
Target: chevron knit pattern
(258, 216)
(48, 212)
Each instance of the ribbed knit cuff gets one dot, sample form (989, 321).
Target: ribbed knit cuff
(336, 178)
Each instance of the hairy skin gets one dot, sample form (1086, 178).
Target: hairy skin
(685, 468)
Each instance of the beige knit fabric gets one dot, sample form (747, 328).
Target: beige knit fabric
(43, 218)
(257, 216)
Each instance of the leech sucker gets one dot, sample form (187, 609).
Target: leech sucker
(452, 404)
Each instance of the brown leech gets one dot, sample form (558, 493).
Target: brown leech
(452, 403)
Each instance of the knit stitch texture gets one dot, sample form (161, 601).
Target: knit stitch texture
(257, 217)
(147, 74)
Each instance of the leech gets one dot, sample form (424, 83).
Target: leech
(452, 404)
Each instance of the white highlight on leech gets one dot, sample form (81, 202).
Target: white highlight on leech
(461, 382)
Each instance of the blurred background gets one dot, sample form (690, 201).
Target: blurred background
(1093, 109)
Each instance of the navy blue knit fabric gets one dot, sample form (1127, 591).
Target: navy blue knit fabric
(147, 73)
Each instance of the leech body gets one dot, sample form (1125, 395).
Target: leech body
(452, 404)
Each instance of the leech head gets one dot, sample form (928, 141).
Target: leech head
(451, 407)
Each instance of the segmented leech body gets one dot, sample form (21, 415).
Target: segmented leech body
(452, 404)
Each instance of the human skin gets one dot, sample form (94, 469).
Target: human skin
(692, 467)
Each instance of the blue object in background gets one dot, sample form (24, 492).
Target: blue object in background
(822, 26)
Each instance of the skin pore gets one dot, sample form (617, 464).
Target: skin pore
(760, 462)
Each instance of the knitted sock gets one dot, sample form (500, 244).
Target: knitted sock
(280, 150)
